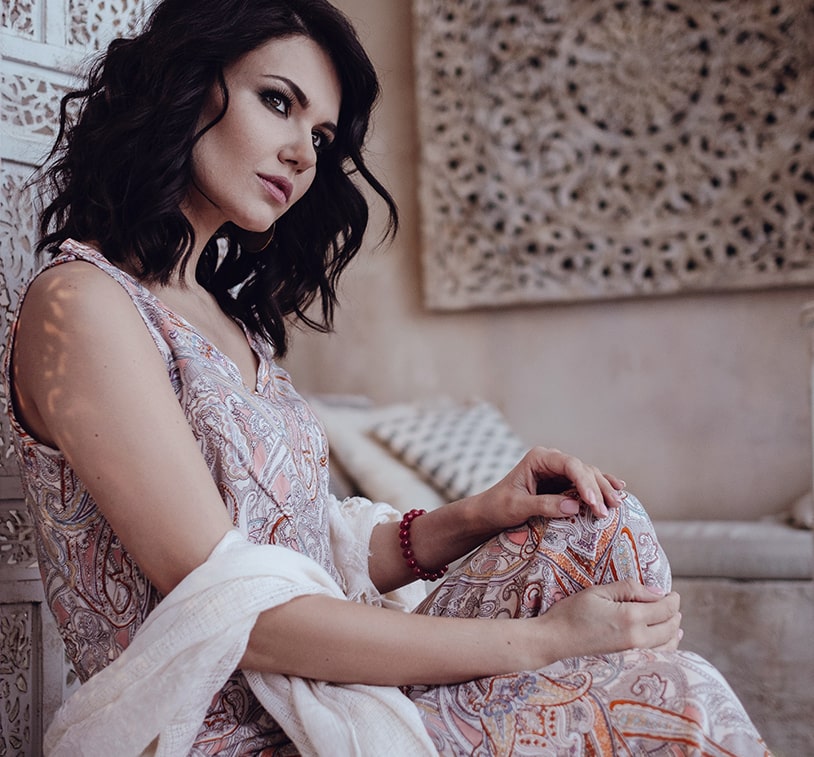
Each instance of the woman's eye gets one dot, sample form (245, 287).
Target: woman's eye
(320, 141)
(277, 101)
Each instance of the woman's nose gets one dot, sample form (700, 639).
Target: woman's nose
(299, 152)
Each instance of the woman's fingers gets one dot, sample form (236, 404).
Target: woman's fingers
(667, 634)
(653, 618)
(617, 483)
(615, 617)
(630, 590)
(551, 484)
(672, 644)
(659, 622)
(595, 489)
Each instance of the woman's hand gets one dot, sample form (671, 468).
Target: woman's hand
(546, 482)
(549, 483)
(611, 618)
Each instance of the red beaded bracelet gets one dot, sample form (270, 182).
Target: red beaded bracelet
(407, 549)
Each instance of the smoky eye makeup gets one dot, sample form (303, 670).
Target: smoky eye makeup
(277, 99)
(322, 139)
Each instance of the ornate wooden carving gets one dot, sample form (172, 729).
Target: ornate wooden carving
(18, 682)
(17, 547)
(16, 244)
(94, 24)
(20, 17)
(37, 63)
(577, 149)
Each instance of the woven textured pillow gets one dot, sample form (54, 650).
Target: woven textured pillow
(459, 449)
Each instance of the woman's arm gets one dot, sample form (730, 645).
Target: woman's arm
(445, 534)
(90, 381)
(345, 642)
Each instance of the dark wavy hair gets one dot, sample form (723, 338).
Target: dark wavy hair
(121, 166)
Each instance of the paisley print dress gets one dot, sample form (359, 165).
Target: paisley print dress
(269, 458)
(639, 702)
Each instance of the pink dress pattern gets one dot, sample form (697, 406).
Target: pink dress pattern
(640, 702)
(268, 455)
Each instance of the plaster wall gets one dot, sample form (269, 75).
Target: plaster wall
(701, 403)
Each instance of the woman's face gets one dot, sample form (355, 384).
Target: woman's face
(261, 157)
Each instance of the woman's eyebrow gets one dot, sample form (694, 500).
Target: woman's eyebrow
(301, 97)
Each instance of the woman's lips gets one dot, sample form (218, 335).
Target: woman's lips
(278, 187)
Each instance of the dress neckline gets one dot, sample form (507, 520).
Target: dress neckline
(262, 371)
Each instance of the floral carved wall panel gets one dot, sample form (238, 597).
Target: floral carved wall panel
(93, 24)
(30, 102)
(42, 44)
(21, 18)
(575, 149)
(16, 537)
(18, 680)
(17, 238)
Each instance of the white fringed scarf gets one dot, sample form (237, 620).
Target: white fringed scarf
(153, 698)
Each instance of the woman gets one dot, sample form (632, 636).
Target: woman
(198, 568)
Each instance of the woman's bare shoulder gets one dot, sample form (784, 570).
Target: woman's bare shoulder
(75, 321)
(73, 283)
(76, 299)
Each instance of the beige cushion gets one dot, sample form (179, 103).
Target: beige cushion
(737, 549)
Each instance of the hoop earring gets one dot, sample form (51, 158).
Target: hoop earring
(255, 241)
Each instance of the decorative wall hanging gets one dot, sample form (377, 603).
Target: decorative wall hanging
(581, 149)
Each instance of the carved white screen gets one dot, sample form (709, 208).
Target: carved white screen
(42, 44)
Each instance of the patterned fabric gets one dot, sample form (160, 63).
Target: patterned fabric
(633, 703)
(459, 449)
(269, 458)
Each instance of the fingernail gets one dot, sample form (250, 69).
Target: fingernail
(680, 634)
(657, 590)
(569, 507)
